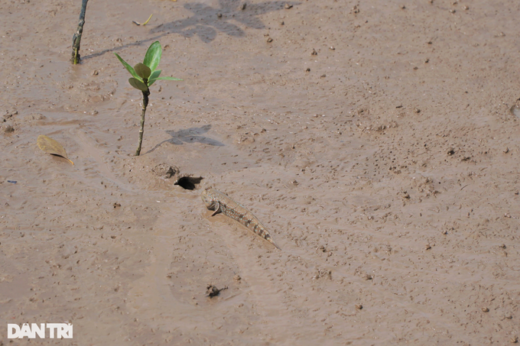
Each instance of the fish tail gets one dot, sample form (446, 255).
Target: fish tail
(276, 246)
(267, 237)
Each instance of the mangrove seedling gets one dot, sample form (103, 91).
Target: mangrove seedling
(144, 75)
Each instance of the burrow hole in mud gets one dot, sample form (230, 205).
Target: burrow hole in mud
(188, 183)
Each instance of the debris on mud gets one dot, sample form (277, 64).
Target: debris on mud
(171, 172)
(165, 171)
(9, 114)
(53, 147)
(186, 181)
(212, 290)
(320, 273)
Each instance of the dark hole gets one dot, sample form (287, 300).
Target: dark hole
(188, 183)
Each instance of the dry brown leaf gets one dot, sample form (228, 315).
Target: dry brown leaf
(52, 147)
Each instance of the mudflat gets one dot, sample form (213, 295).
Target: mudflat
(377, 142)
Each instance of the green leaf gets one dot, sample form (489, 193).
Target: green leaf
(167, 78)
(155, 74)
(153, 55)
(151, 81)
(153, 77)
(143, 71)
(128, 67)
(137, 84)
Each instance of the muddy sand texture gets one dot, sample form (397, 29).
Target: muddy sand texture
(385, 165)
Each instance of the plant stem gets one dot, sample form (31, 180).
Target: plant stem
(141, 131)
(76, 39)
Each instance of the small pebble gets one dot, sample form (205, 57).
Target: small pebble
(269, 40)
(10, 114)
(314, 52)
(288, 6)
(359, 306)
(485, 309)
(9, 129)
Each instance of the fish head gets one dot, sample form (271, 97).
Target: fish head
(206, 198)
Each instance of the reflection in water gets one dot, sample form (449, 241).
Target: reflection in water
(207, 21)
(191, 135)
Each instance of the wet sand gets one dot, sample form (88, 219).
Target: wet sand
(374, 140)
